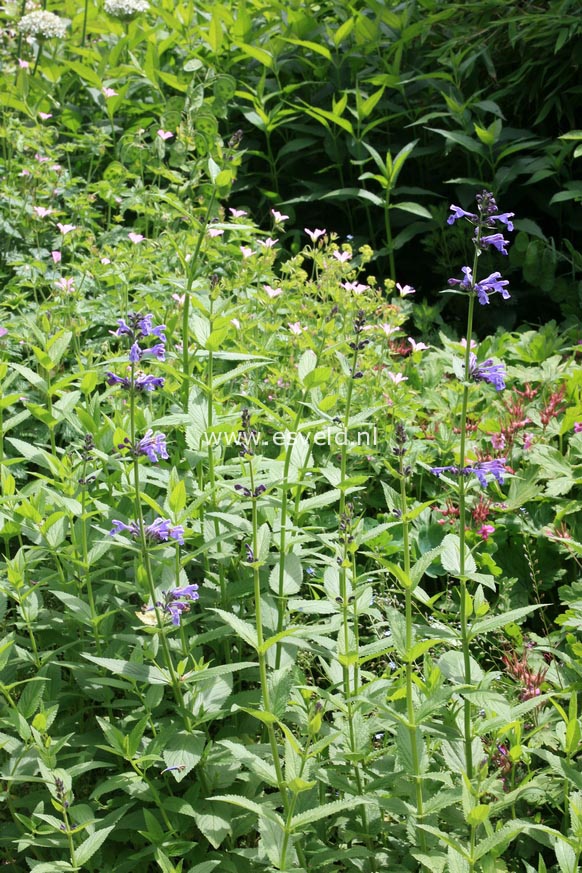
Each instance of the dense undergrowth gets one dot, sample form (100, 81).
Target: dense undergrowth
(290, 563)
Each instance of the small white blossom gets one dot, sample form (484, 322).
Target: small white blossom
(126, 8)
(43, 25)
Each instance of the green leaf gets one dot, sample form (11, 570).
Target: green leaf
(451, 556)
(298, 822)
(183, 750)
(259, 54)
(93, 842)
(129, 670)
(289, 582)
(493, 622)
(414, 208)
(242, 628)
(250, 806)
(214, 823)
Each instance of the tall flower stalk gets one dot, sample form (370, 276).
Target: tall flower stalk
(485, 220)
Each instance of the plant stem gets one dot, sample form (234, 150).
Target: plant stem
(186, 307)
(410, 714)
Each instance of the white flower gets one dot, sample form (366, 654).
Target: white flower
(126, 8)
(43, 25)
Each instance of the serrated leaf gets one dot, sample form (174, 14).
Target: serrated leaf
(242, 628)
(129, 670)
(89, 846)
(328, 809)
(183, 750)
(451, 556)
(287, 575)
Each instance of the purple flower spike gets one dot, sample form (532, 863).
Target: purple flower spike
(189, 592)
(505, 219)
(153, 445)
(148, 383)
(135, 354)
(159, 531)
(488, 371)
(452, 468)
(120, 527)
(496, 240)
(493, 283)
(457, 213)
(495, 468)
(146, 325)
(467, 282)
(158, 351)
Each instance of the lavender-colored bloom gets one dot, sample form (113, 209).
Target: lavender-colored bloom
(452, 468)
(467, 282)
(153, 445)
(460, 213)
(135, 354)
(490, 285)
(148, 383)
(112, 379)
(488, 371)
(481, 469)
(119, 527)
(159, 531)
(190, 592)
(495, 468)
(123, 329)
(147, 327)
(158, 351)
(504, 218)
(496, 240)
(176, 608)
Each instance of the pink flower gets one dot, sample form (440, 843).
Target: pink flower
(278, 216)
(389, 329)
(215, 231)
(498, 441)
(24, 65)
(44, 116)
(24, 173)
(236, 323)
(267, 243)
(246, 251)
(464, 343)
(578, 427)
(105, 261)
(314, 234)
(416, 347)
(179, 298)
(40, 158)
(342, 257)
(66, 228)
(165, 134)
(356, 287)
(108, 92)
(272, 292)
(56, 256)
(3, 331)
(135, 238)
(237, 213)
(485, 531)
(66, 285)
(42, 211)
(56, 167)
(296, 328)
(527, 441)
(404, 290)
(397, 378)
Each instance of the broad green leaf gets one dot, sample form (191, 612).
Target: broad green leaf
(242, 628)
(129, 670)
(298, 822)
(451, 556)
(89, 846)
(183, 751)
(287, 575)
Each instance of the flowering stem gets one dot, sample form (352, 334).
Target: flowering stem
(343, 586)
(260, 647)
(389, 241)
(410, 714)
(463, 594)
(186, 307)
(147, 563)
